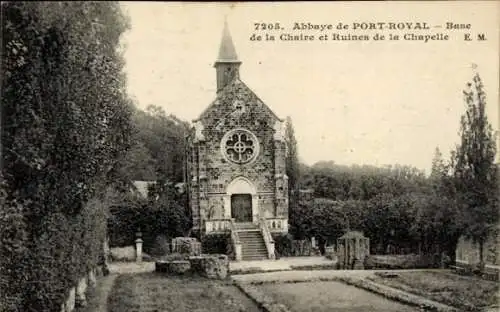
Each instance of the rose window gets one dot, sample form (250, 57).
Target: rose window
(240, 146)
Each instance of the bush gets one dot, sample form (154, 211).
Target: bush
(124, 221)
(161, 246)
(282, 245)
(216, 244)
(286, 246)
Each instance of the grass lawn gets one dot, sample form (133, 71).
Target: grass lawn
(465, 293)
(330, 296)
(156, 292)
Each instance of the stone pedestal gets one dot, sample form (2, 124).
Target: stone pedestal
(238, 253)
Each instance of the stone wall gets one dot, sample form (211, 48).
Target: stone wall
(468, 251)
(76, 296)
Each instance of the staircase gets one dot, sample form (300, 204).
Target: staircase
(253, 245)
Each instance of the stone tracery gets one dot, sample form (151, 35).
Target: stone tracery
(240, 146)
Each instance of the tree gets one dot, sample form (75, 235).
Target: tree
(293, 173)
(437, 163)
(292, 159)
(441, 217)
(475, 172)
(164, 137)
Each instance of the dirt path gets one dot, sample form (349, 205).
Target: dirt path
(98, 300)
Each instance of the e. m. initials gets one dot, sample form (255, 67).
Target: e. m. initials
(480, 37)
(467, 36)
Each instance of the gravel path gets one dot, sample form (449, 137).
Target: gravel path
(300, 275)
(98, 302)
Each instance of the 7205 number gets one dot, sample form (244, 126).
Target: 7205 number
(267, 26)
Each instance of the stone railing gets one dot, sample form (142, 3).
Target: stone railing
(277, 225)
(268, 239)
(217, 226)
(235, 240)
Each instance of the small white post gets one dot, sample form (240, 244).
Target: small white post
(271, 254)
(138, 250)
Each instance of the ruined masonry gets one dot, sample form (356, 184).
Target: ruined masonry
(236, 173)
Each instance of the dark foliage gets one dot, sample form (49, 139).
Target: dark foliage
(65, 122)
(162, 214)
(216, 244)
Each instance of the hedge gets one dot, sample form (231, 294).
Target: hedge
(67, 122)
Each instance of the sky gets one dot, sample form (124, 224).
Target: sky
(353, 102)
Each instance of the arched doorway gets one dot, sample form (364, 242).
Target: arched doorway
(241, 200)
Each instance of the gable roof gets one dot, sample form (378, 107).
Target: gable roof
(236, 89)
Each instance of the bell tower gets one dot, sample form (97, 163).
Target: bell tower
(227, 64)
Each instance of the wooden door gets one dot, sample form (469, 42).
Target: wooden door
(241, 207)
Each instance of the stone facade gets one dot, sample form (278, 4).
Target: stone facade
(236, 146)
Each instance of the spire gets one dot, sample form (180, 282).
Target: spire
(227, 51)
(227, 64)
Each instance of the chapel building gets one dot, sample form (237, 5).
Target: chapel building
(235, 170)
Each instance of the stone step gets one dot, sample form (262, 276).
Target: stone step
(248, 246)
(252, 253)
(256, 232)
(254, 258)
(249, 254)
(254, 247)
(245, 250)
(255, 244)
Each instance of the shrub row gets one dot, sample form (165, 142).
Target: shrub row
(67, 122)
(286, 246)
(217, 244)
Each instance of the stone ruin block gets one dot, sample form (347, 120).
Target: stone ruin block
(210, 266)
(174, 267)
(186, 245)
(69, 305)
(81, 290)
